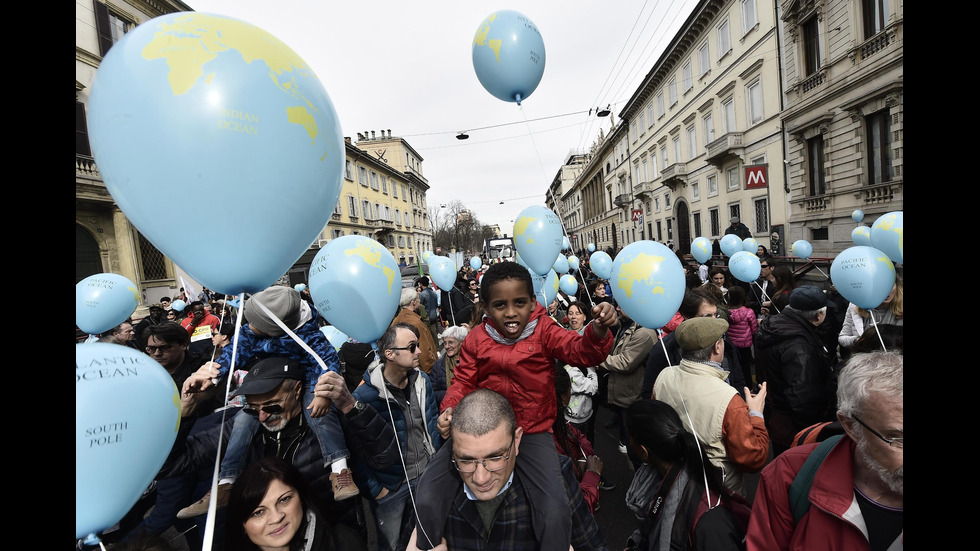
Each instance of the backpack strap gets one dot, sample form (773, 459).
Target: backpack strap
(799, 490)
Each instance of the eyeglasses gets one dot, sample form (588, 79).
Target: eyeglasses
(271, 409)
(162, 349)
(893, 442)
(491, 464)
(411, 348)
(764, 266)
(714, 315)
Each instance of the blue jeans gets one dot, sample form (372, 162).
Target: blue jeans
(327, 429)
(390, 514)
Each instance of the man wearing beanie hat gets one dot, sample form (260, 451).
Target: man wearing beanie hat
(263, 336)
(790, 349)
(731, 430)
(739, 229)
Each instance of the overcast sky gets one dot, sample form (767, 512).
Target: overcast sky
(407, 67)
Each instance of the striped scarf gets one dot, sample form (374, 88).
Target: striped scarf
(495, 335)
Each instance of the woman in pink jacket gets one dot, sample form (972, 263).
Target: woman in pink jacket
(742, 326)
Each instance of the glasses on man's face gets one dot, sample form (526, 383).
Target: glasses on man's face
(764, 266)
(271, 409)
(491, 464)
(893, 442)
(711, 315)
(411, 348)
(161, 349)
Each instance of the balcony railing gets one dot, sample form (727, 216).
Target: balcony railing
(85, 167)
(644, 188)
(622, 200)
(725, 147)
(674, 175)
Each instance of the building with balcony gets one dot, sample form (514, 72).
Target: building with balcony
(593, 218)
(843, 116)
(703, 129)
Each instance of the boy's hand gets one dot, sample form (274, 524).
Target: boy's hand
(444, 422)
(202, 379)
(319, 406)
(333, 388)
(605, 317)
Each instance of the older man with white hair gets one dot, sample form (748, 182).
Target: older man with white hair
(846, 492)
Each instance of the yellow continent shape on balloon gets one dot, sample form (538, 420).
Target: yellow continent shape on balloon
(639, 269)
(195, 39)
(371, 255)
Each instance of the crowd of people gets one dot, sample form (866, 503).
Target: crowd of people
(471, 422)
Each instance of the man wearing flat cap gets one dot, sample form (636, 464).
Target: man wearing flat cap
(731, 430)
(790, 350)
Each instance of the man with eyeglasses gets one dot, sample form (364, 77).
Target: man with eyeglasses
(490, 507)
(402, 394)
(762, 288)
(856, 498)
(731, 429)
(273, 390)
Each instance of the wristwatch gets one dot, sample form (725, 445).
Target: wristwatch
(358, 407)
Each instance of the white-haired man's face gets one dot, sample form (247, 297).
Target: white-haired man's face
(886, 416)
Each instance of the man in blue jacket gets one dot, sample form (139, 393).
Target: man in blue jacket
(402, 395)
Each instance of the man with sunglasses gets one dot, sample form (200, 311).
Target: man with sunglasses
(856, 498)
(273, 391)
(490, 507)
(762, 288)
(402, 394)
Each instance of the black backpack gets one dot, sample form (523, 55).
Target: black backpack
(355, 357)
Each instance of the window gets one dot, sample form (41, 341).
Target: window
(645, 172)
(733, 183)
(366, 209)
(697, 224)
(712, 185)
(875, 15)
(391, 240)
(753, 93)
(677, 149)
(648, 207)
(667, 200)
(642, 127)
(660, 104)
(633, 130)
(82, 146)
(663, 153)
(337, 233)
(374, 180)
(688, 81)
(814, 151)
(734, 210)
(656, 204)
(724, 39)
(337, 209)
(879, 148)
(670, 230)
(394, 189)
(362, 176)
(761, 215)
(728, 107)
(660, 235)
(351, 206)
(401, 240)
(819, 234)
(398, 217)
(384, 184)
(695, 191)
(713, 216)
(811, 46)
(749, 19)
(404, 193)
(348, 170)
(709, 129)
(109, 26)
(650, 115)
(672, 90)
(704, 65)
(692, 141)
(653, 167)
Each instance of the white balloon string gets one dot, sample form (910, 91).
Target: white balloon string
(697, 440)
(660, 333)
(819, 270)
(877, 331)
(289, 332)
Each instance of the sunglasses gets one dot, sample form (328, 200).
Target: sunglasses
(411, 348)
(271, 409)
(764, 266)
(163, 349)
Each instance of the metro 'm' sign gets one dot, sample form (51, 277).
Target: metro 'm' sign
(756, 176)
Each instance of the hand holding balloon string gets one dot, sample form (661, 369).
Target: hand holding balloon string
(604, 314)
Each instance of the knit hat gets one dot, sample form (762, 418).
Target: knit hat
(700, 333)
(284, 302)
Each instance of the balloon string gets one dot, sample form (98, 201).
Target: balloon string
(660, 334)
(765, 296)
(875, 325)
(819, 270)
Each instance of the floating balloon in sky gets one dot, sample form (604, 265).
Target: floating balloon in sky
(601, 264)
(300, 287)
(476, 263)
(508, 55)
(178, 305)
(214, 110)
(568, 284)
(701, 249)
(565, 244)
(442, 270)
(857, 215)
(887, 235)
(649, 283)
(573, 263)
(591, 247)
(750, 245)
(561, 265)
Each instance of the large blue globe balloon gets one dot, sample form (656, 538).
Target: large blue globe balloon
(731, 244)
(863, 275)
(649, 283)
(207, 110)
(537, 236)
(802, 248)
(701, 249)
(508, 55)
(745, 266)
(888, 235)
(861, 235)
(127, 412)
(601, 264)
(103, 301)
(355, 283)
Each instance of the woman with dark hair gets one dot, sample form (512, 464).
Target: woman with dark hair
(668, 492)
(580, 410)
(718, 277)
(778, 299)
(273, 508)
(571, 442)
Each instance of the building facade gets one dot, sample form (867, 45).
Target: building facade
(843, 71)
